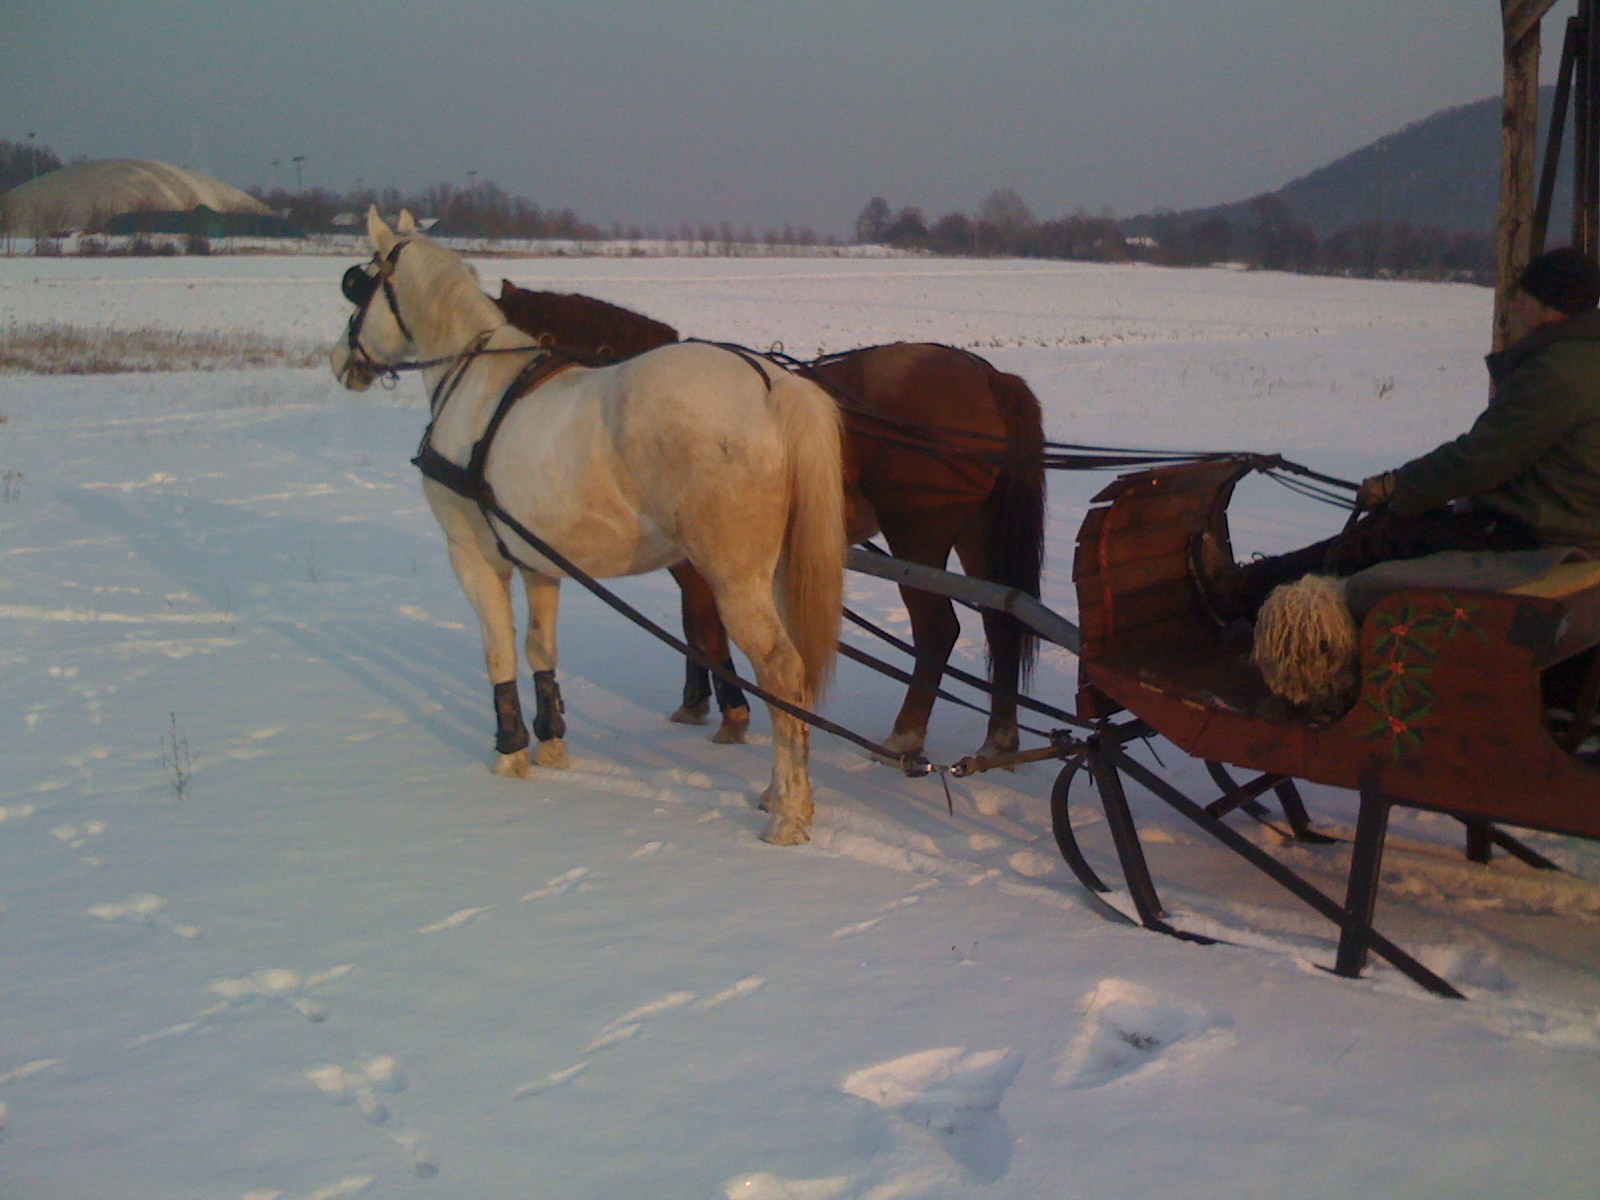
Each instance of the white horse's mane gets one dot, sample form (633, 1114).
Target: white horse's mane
(451, 283)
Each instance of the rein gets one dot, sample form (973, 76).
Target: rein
(995, 449)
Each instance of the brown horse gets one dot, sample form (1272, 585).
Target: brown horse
(942, 451)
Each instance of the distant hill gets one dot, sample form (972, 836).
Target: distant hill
(1442, 172)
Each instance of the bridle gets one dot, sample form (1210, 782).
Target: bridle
(360, 285)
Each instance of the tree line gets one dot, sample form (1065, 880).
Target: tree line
(22, 161)
(1263, 234)
(486, 210)
(482, 210)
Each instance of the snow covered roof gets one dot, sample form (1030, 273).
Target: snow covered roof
(86, 195)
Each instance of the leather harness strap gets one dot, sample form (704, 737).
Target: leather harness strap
(470, 481)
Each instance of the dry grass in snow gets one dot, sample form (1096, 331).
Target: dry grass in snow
(60, 349)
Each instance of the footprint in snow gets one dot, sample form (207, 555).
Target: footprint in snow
(456, 919)
(360, 1086)
(630, 1024)
(142, 909)
(862, 926)
(943, 1108)
(949, 1090)
(25, 1071)
(745, 986)
(944, 1130)
(1467, 967)
(553, 1080)
(76, 837)
(765, 1186)
(1130, 1031)
(274, 984)
(567, 881)
(350, 1185)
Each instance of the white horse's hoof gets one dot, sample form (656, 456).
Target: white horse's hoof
(786, 831)
(513, 766)
(735, 723)
(552, 753)
(691, 714)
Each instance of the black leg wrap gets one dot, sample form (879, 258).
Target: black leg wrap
(510, 734)
(696, 684)
(728, 693)
(547, 707)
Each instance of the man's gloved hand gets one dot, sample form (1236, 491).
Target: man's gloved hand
(1375, 490)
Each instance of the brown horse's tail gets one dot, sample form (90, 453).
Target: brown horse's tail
(1017, 504)
(811, 574)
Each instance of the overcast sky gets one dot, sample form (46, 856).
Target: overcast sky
(759, 113)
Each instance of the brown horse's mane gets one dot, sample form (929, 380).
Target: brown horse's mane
(582, 324)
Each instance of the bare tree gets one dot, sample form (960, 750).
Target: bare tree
(873, 223)
(1004, 209)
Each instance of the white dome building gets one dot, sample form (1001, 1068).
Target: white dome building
(86, 196)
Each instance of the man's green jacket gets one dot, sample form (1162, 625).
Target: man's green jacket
(1534, 453)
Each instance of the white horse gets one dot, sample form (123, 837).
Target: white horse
(690, 452)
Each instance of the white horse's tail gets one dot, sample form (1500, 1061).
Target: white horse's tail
(811, 573)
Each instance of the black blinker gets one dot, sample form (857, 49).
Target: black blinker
(358, 285)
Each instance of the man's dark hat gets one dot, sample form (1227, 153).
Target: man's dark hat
(1563, 279)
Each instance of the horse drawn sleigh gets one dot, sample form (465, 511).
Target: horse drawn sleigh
(1474, 741)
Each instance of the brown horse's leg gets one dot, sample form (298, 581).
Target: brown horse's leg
(694, 596)
(934, 630)
(1007, 638)
(703, 629)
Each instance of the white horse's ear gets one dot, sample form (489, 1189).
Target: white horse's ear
(380, 233)
(407, 223)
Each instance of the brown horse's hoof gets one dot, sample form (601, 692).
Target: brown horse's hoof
(552, 753)
(786, 831)
(902, 744)
(998, 744)
(691, 714)
(735, 724)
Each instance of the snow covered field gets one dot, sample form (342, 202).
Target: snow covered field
(270, 929)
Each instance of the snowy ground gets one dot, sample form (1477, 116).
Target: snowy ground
(270, 929)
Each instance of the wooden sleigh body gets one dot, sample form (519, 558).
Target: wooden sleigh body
(1451, 716)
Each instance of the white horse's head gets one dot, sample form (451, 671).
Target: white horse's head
(399, 298)
(377, 336)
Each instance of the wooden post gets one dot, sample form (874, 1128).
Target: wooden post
(1519, 146)
(1586, 135)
